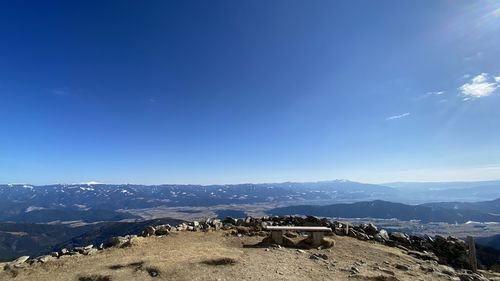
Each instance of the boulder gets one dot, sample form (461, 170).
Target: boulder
(370, 229)
(20, 260)
(313, 221)
(91, 252)
(148, 231)
(447, 270)
(45, 258)
(162, 229)
(400, 237)
(115, 241)
(382, 236)
(230, 220)
(423, 255)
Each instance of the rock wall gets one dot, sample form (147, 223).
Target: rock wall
(445, 250)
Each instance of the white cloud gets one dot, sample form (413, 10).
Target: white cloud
(480, 86)
(434, 93)
(398, 116)
(497, 79)
(428, 94)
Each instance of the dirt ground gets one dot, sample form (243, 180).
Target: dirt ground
(216, 256)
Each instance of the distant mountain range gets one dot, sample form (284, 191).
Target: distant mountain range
(388, 210)
(93, 202)
(492, 207)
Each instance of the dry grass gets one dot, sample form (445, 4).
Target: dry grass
(221, 261)
(215, 256)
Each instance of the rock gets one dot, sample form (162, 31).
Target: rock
(385, 270)
(451, 251)
(63, 252)
(447, 270)
(116, 241)
(91, 251)
(403, 248)
(354, 270)
(162, 229)
(313, 221)
(55, 254)
(352, 233)
(318, 257)
(20, 260)
(400, 237)
(248, 220)
(83, 250)
(148, 231)
(217, 224)
(327, 243)
(402, 267)
(471, 277)
(301, 251)
(363, 237)
(44, 259)
(382, 236)
(133, 241)
(230, 220)
(426, 269)
(423, 255)
(370, 229)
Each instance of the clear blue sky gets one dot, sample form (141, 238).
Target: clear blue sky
(249, 91)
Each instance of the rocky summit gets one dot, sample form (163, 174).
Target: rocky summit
(240, 249)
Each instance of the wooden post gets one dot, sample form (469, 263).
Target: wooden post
(472, 253)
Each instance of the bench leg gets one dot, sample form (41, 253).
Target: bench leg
(316, 238)
(277, 237)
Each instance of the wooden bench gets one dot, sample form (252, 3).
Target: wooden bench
(317, 232)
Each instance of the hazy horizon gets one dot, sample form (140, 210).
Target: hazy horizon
(241, 183)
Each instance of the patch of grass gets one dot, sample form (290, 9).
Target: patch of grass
(95, 278)
(220, 261)
(137, 265)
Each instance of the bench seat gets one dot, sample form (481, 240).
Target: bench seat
(317, 232)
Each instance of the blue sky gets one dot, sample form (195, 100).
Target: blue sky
(249, 91)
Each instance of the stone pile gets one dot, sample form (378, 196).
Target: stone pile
(445, 250)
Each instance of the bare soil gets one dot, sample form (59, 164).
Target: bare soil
(218, 256)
